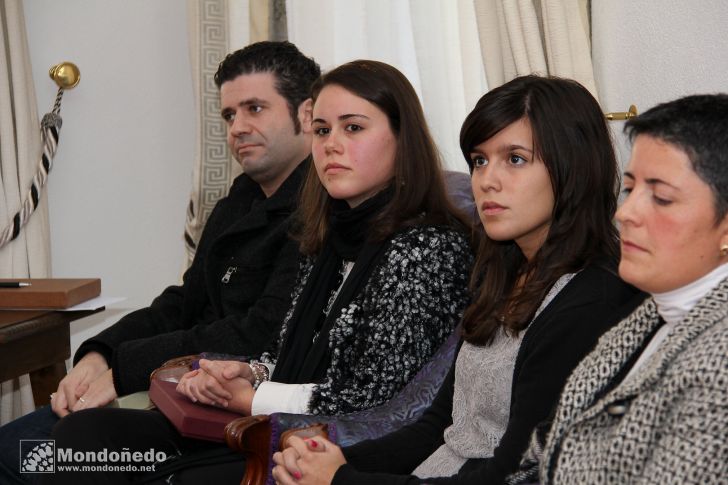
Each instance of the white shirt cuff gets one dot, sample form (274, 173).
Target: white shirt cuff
(274, 397)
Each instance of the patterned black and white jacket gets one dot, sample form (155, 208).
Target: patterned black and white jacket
(668, 424)
(411, 303)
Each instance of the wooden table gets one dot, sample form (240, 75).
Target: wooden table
(36, 342)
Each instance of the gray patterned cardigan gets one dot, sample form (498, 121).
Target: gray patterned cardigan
(411, 303)
(667, 424)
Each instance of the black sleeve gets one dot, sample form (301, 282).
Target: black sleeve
(165, 314)
(566, 332)
(181, 321)
(246, 334)
(536, 389)
(401, 451)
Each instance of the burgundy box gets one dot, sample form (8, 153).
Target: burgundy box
(192, 420)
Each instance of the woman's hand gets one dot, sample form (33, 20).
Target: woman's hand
(220, 383)
(307, 462)
(227, 369)
(199, 386)
(236, 378)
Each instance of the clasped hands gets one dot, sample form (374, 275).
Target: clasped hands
(223, 383)
(313, 461)
(90, 384)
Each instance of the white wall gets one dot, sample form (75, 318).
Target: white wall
(121, 177)
(650, 51)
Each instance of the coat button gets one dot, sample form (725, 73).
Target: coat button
(617, 409)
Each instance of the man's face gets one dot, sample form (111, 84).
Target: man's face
(260, 131)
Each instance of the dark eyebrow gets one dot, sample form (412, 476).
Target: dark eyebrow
(651, 181)
(655, 181)
(245, 102)
(352, 115)
(504, 148)
(342, 117)
(252, 101)
(509, 148)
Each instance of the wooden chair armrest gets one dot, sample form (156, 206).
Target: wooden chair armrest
(252, 435)
(173, 369)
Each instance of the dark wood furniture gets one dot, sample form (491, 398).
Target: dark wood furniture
(251, 436)
(36, 342)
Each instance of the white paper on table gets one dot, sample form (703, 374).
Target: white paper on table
(94, 303)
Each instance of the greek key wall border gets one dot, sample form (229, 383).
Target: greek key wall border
(214, 168)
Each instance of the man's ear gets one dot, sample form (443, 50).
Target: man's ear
(305, 115)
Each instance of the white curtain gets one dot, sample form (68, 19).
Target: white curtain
(451, 51)
(210, 23)
(216, 28)
(433, 42)
(20, 149)
(535, 36)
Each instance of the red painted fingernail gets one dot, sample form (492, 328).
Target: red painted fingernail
(313, 443)
(297, 475)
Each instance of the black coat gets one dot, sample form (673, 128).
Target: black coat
(246, 236)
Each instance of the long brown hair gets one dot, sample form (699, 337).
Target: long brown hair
(418, 185)
(571, 137)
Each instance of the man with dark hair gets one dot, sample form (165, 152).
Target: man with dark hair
(234, 295)
(281, 58)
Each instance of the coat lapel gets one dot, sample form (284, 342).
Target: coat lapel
(600, 367)
(284, 199)
(704, 315)
(614, 350)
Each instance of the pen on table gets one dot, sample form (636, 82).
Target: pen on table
(13, 284)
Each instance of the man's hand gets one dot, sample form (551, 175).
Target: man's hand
(77, 382)
(307, 462)
(99, 393)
